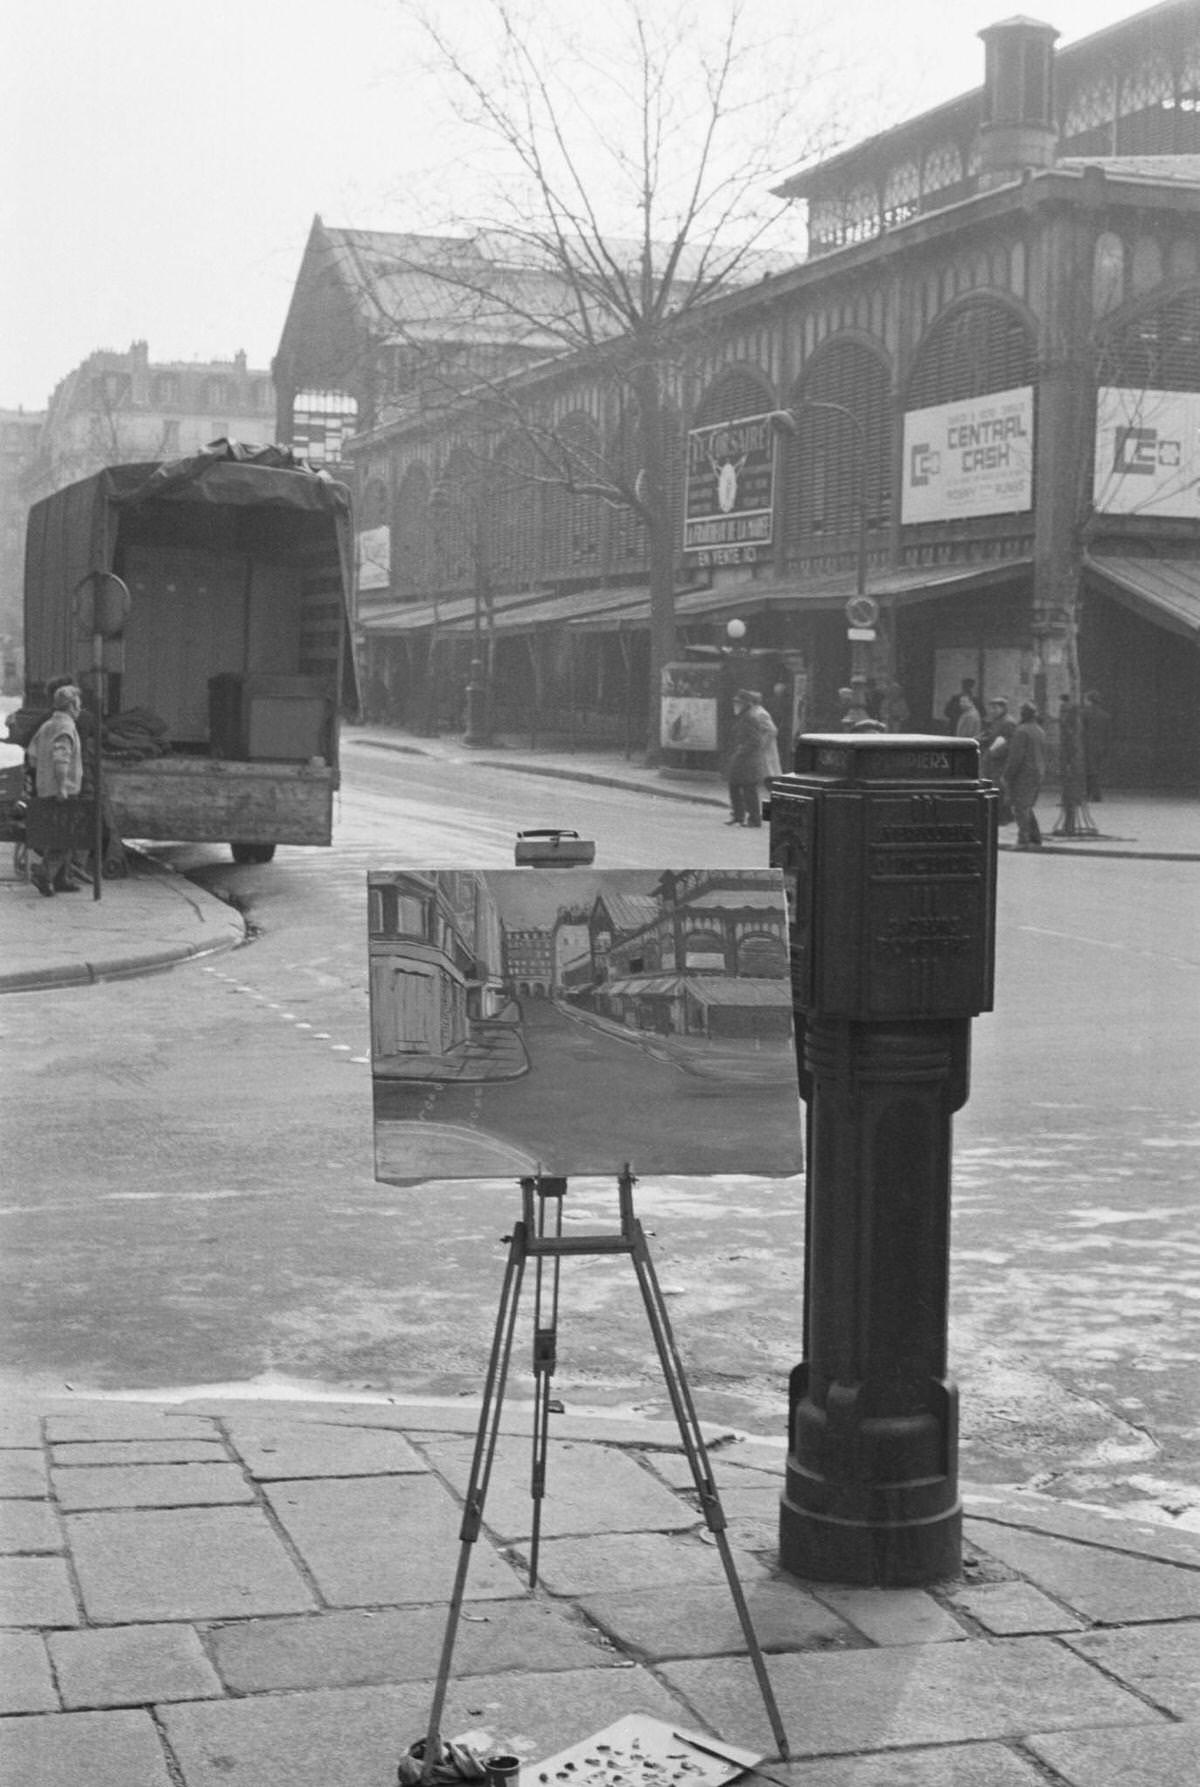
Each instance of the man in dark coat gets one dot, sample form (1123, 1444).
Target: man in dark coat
(753, 756)
(1024, 773)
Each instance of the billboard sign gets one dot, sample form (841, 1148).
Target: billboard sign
(730, 491)
(691, 696)
(374, 557)
(1147, 453)
(969, 458)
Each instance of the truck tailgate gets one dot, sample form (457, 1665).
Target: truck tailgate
(205, 800)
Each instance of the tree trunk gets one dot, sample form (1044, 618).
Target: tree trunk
(661, 547)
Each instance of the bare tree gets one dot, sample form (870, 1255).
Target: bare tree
(627, 185)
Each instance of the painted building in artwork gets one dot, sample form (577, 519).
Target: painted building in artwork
(435, 948)
(709, 960)
(529, 960)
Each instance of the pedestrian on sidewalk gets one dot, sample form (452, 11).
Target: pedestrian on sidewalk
(954, 707)
(56, 759)
(753, 748)
(998, 729)
(1024, 773)
(969, 723)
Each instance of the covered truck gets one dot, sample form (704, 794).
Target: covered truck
(223, 691)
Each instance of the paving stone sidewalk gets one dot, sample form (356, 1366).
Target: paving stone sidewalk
(254, 1593)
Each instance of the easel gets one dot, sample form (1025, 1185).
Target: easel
(540, 1237)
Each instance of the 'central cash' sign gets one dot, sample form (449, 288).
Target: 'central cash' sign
(969, 458)
(730, 490)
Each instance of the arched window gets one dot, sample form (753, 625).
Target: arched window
(842, 450)
(373, 505)
(1108, 273)
(570, 521)
(979, 347)
(514, 510)
(1157, 349)
(411, 533)
(453, 511)
(732, 396)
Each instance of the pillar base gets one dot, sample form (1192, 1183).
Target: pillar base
(878, 1554)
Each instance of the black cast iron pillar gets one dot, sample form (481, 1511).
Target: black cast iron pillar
(888, 847)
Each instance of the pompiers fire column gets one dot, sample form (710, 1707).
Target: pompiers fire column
(888, 847)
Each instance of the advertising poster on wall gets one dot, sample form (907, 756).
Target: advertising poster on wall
(969, 458)
(374, 557)
(534, 1021)
(730, 491)
(1147, 453)
(689, 711)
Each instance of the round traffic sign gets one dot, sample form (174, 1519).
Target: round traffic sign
(862, 611)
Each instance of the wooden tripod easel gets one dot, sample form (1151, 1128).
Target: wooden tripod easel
(538, 1238)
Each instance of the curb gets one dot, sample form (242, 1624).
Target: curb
(598, 779)
(1101, 850)
(554, 773)
(80, 974)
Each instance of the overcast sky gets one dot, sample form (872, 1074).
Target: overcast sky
(161, 160)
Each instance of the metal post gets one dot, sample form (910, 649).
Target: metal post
(97, 766)
(888, 843)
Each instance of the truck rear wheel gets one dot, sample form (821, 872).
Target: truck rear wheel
(252, 852)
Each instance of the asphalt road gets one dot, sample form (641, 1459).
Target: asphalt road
(592, 1099)
(194, 1200)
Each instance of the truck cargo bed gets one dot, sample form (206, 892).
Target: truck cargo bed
(211, 801)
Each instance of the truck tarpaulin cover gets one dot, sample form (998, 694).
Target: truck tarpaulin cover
(77, 530)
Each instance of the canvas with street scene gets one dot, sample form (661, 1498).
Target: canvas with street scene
(531, 1021)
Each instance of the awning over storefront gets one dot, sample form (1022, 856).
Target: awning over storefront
(759, 597)
(609, 610)
(454, 614)
(1163, 590)
(706, 989)
(558, 610)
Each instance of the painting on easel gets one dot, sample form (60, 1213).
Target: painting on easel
(523, 1018)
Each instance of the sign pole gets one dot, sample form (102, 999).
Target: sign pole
(102, 604)
(97, 765)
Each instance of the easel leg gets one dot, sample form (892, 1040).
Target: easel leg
(545, 1348)
(697, 1457)
(486, 1436)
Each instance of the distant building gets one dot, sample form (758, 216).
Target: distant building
(123, 408)
(384, 324)
(979, 394)
(20, 432)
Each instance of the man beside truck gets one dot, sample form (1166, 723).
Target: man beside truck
(56, 759)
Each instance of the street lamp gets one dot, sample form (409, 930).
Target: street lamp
(478, 731)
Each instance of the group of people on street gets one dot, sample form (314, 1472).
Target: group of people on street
(1013, 752)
